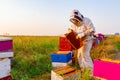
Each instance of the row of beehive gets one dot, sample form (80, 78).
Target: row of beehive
(64, 55)
(60, 60)
(6, 55)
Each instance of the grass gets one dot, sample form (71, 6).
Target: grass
(32, 55)
(107, 48)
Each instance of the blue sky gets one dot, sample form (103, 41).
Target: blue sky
(51, 17)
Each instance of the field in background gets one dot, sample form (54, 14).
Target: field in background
(107, 48)
(32, 55)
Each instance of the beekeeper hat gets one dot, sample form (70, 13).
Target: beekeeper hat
(76, 16)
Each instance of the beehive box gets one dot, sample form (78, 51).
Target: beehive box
(64, 44)
(5, 67)
(107, 69)
(97, 78)
(7, 78)
(65, 73)
(5, 44)
(61, 56)
(75, 42)
(6, 54)
(60, 64)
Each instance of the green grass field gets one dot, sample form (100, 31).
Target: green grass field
(32, 55)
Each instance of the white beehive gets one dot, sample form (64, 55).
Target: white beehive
(60, 64)
(6, 54)
(5, 67)
(65, 73)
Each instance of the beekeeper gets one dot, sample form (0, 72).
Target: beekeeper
(83, 28)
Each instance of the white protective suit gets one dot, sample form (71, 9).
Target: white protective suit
(86, 29)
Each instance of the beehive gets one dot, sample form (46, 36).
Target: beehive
(65, 73)
(75, 42)
(108, 69)
(60, 64)
(5, 67)
(61, 58)
(7, 78)
(5, 44)
(6, 54)
(64, 44)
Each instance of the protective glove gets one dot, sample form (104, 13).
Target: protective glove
(70, 30)
(87, 32)
(81, 35)
(90, 33)
(77, 37)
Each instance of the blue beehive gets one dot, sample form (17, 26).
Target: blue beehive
(61, 56)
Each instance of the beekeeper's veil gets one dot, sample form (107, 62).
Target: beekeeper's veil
(76, 16)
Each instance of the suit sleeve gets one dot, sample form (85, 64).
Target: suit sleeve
(89, 29)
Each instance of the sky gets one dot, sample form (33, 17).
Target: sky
(51, 17)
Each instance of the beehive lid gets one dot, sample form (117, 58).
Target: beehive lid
(110, 60)
(5, 38)
(66, 71)
(62, 52)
